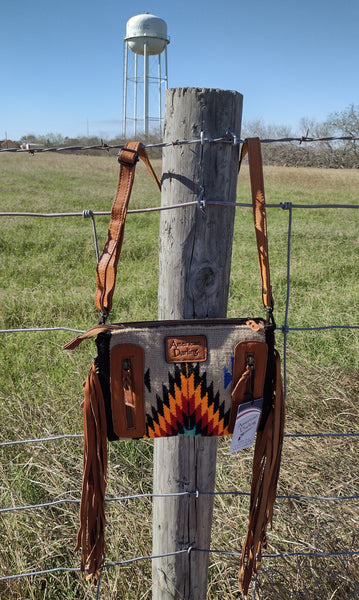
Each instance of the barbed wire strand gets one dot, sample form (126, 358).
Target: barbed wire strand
(228, 138)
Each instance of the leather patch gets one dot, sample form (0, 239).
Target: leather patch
(186, 348)
(252, 355)
(254, 326)
(127, 390)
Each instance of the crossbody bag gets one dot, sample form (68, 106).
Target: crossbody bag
(184, 377)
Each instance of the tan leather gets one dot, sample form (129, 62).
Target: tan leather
(249, 367)
(266, 465)
(89, 334)
(127, 390)
(107, 265)
(91, 535)
(252, 147)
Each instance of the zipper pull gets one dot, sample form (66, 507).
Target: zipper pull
(127, 384)
(250, 364)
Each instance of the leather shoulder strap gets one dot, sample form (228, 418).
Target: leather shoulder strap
(107, 265)
(252, 147)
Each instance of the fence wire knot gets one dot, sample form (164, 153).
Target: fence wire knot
(234, 137)
(201, 201)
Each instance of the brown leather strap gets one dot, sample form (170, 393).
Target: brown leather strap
(107, 265)
(252, 147)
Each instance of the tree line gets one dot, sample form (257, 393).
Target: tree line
(322, 154)
(325, 154)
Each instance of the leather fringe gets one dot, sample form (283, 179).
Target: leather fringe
(265, 473)
(91, 535)
(266, 466)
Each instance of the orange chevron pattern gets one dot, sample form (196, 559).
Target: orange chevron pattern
(188, 406)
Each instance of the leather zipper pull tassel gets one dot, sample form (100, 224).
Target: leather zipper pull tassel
(128, 395)
(250, 364)
(127, 367)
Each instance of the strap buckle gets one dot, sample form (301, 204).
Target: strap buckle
(125, 163)
(269, 317)
(103, 317)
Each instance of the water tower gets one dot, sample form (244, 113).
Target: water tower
(144, 78)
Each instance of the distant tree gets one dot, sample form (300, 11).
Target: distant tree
(346, 124)
(273, 153)
(30, 138)
(323, 153)
(328, 153)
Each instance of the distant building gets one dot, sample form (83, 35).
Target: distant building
(9, 144)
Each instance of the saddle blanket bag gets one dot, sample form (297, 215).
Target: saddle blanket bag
(188, 377)
(167, 378)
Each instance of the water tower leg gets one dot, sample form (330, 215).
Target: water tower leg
(159, 95)
(124, 116)
(166, 69)
(135, 98)
(145, 90)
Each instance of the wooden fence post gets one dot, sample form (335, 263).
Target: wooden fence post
(194, 258)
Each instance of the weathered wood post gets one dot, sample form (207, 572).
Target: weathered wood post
(194, 259)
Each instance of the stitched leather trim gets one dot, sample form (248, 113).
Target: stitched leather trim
(258, 351)
(127, 391)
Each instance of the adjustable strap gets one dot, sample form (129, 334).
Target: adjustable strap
(252, 147)
(107, 265)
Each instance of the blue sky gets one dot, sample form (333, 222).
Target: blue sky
(61, 63)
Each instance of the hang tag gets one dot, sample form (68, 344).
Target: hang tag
(246, 424)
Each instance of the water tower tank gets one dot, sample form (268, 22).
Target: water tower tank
(146, 29)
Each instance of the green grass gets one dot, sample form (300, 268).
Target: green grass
(47, 274)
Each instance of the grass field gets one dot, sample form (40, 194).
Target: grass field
(47, 275)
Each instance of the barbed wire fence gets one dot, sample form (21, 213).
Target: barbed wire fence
(285, 329)
(230, 138)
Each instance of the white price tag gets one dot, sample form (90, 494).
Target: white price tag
(245, 428)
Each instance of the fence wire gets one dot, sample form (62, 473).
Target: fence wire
(196, 493)
(285, 330)
(228, 138)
